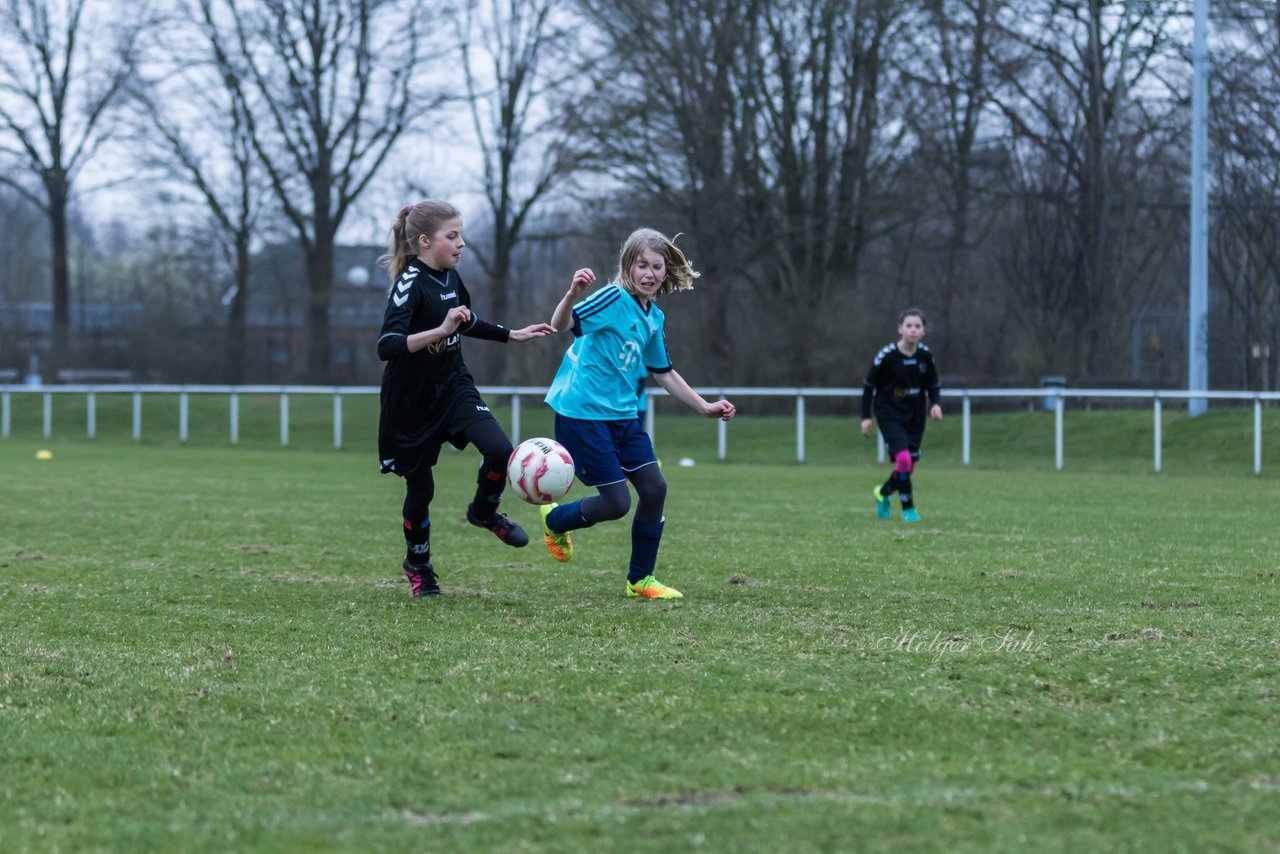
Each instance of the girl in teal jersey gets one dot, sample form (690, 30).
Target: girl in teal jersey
(618, 330)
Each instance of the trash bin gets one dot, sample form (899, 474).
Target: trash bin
(1048, 383)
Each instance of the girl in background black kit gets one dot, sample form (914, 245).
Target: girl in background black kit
(901, 377)
(428, 395)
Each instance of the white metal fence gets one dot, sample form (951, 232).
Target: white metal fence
(1053, 398)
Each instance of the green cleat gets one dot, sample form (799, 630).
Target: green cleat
(910, 515)
(882, 504)
(651, 588)
(560, 545)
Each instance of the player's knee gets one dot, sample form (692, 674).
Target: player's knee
(652, 491)
(903, 462)
(614, 504)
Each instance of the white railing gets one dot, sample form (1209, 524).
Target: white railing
(1052, 397)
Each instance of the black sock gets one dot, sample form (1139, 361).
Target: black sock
(904, 490)
(417, 540)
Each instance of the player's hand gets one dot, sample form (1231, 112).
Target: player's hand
(582, 279)
(455, 318)
(722, 409)
(935, 412)
(866, 426)
(537, 330)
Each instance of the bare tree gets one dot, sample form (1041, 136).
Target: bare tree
(205, 145)
(759, 123)
(63, 67)
(946, 76)
(822, 155)
(1066, 89)
(328, 87)
(519, 61)
(1245, 145)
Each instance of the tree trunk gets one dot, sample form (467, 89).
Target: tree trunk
(320, 282)
(60, 338)
(236, 316)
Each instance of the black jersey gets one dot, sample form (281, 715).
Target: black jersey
(428, 391)
(899, 384)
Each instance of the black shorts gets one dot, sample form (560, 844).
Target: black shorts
(406, 456)
(902, 437)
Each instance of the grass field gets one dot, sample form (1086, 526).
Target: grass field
(207, 648)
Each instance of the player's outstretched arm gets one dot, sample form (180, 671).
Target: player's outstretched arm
(680, 390)
(562, 317)
(536, 330)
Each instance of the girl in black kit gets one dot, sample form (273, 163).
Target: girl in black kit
(899, 380)
(428, 395)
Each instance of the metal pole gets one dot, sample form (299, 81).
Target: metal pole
(879, 445)
(1057, 431)
(4, 415)
(284, 418)
(1257, 435)
(1198, 303)
(137, 416)
(799, 428)
(235, 418)
(1158, 425)
(182, 417)
(91, 405)
(47, 418)
(965, 417)
(515, 419)
(337, 422)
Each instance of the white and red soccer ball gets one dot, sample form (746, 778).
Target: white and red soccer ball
(540, 471)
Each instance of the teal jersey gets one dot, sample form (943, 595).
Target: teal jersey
(616, 340)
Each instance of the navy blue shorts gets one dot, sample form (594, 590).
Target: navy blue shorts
(604, 451)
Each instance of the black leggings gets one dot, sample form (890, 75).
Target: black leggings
(495, 450)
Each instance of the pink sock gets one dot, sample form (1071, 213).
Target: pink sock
(902, 462)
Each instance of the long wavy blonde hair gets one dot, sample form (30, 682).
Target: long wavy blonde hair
(680, 273)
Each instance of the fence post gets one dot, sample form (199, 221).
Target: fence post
(649, 403)
(182, 417)
(799, 427)
(91, 415)
(1158, 426)
(1257, 435)
(47, 415)
(721, 434)
(337, 422)
(964, 429)
(235, 418)
(284, 418)
(137, 416)
(515, 418)
(1057, 431)
(4, 415)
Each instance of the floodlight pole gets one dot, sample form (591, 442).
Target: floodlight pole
(1198, 302)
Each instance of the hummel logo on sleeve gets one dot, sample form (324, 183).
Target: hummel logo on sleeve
(399, 299)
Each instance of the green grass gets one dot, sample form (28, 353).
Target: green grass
(207, 648)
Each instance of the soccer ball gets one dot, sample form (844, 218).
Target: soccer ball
(540, 471)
